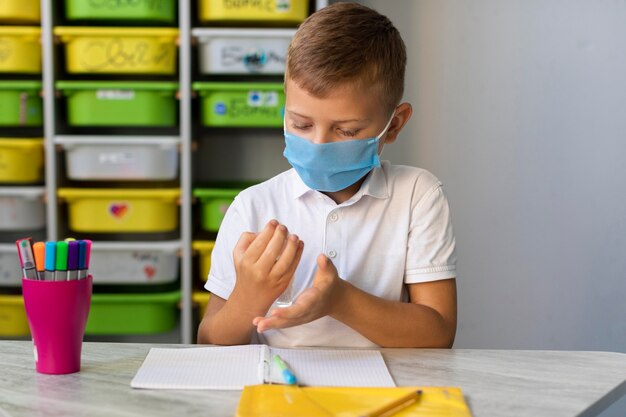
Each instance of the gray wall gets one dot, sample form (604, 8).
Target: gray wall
(520, 109)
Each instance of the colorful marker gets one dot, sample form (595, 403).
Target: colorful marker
(27, 259)
(72, 260)
(82, 258)
(286, 373)
(50, 260)
(60, 273)
(82, 273)
(39, 249)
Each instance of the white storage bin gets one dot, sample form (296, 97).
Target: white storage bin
(10, 271)
(243, 51)
(134, 262)
(120, 158)
(22, 208)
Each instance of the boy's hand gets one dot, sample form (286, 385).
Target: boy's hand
(265, 263)
(314, 302)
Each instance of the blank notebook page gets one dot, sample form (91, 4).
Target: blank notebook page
(199, 368)
(338, 368)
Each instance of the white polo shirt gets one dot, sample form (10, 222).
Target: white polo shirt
(395, 230)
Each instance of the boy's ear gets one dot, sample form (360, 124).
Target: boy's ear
(402, 116)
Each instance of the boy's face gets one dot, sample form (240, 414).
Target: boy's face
(347, 113)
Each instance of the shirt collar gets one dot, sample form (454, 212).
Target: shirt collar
(375, 184)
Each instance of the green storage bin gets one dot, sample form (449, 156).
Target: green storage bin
(20, 103)
(214, 203)
(241, 104)
(113, 103)
(136, 10)
(116, 314)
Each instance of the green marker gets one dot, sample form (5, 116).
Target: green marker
(60, 273)
(285, 372)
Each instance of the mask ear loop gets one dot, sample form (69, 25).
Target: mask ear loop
(385, 131)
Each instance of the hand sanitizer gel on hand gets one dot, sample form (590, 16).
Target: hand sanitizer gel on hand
(286, 298)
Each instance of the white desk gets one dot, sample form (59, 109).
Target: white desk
(495, 382)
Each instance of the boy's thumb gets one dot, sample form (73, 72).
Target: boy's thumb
(324, 264)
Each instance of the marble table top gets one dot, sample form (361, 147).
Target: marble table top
(495, 382)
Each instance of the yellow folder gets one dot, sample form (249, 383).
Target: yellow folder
(285, 401)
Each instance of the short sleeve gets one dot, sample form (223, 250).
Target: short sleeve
(222, 276)
(431, 253)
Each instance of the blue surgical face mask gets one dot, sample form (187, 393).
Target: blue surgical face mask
(332, 166)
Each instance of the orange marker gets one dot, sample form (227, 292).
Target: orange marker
(39, 250)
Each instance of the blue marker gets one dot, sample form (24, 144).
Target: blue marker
(51, 256)
(82, 259)
(288, 376)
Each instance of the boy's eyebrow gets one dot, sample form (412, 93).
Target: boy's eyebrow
(334, 121)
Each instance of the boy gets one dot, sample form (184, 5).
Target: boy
(369, 246)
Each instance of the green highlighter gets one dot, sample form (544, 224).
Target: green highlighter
(60, 273)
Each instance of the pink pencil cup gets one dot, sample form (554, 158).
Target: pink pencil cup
(57, 313)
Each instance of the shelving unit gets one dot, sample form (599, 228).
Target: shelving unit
(203, 153)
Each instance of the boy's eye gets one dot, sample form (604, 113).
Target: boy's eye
(348, 133)
(300, 126)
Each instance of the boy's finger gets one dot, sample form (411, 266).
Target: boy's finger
(291, 271)
(243, 243)
(274, 247)
(256, 248)
(287, 256)
(268, 323)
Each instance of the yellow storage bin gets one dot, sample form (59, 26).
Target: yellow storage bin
(201, 298)
(13, 320)
(96, 50)
(21, 160)
(19, 11)
(271, 12)
(121, 210)
(204, 249)
(20, 49)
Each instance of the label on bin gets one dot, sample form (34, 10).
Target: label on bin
(282, 6)
(115, 94)
(260, 98)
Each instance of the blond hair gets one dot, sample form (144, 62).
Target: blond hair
(348, 43)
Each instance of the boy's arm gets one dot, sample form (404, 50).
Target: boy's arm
(428, 320)
(264, 265)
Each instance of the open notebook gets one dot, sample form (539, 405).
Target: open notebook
(233, 367)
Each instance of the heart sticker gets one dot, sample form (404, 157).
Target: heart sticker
(118, 210)
(149, 271)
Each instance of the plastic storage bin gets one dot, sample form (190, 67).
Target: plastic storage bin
(119, 50)
(243, 51)
(21, 50)
(10, 270)
(214, 203)
(201, 298)
(121, 210)
(19, 11)
(22, 208)
(134, 262)
(204, 249)
(272, 12)
(117, 314)
(13, 320)
(162, 11)
(242, 104)
(113, 103)
(120, 158)
(20, 103)
(21, 160)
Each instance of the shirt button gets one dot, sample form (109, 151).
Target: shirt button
(332, 253)
(333, 217)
